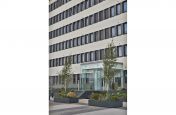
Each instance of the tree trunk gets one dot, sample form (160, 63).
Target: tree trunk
(65, 86)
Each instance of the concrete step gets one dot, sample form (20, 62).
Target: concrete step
(83, 101)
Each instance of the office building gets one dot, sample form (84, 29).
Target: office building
(82, 29)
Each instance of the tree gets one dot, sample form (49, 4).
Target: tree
(65, 73)
(109, 63)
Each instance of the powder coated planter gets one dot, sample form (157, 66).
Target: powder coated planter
(107, 103)
(65, 100)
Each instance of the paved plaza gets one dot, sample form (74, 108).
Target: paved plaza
(83, 109)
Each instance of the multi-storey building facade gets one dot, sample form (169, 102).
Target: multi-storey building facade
(82, 29)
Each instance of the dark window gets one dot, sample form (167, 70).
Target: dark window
(54, 61)
(60, 31)
(96, 17)
(74, 26)
(82, 6)
(64, 14)
(74, 59)
(91, 37)
(71, 43)
(107, 13)
(101, 54)
(125, 50)
(67, 13)
(79, 41)
(71, 27)
(79, 7)
(118, 9)
(70, 12)
(57, 32)
(113, 31)
(75, 42)
(125, 28)
(91, 19)
(87, 57)
(92, 56)
(86, 4)
(83, 40)
(118, 80)
(79, 24)
(86, 21)
(119, 30)
(124, 6)
(57, 48)
(107, 33)
(59, 79)
(112, 11)
(63, 60)
(91, 2)
(97, 55)
(78, 78)
(120, 51)
(82, 57)
(74, 10)
(60, 61)
(60, 17)
(50, 63)
(68, 44)
(67, 28)
(102, 34)
(54, 48)
(64, 45)
(74, 78)
(50, 49)
(87, 39)
(82, 23)
(101, 15)
(78, 58)
(57, 62)
(97, 36)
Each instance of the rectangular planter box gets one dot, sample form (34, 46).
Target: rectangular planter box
(66, 100)
(108, 103)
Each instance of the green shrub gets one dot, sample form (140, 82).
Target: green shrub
(122, 95)
(114, 97)
(95, 96)
(71, 94)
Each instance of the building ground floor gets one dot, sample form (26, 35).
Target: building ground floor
(90, 77)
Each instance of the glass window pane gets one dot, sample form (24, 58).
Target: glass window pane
(71, 43)
(119, 30)
(125, 6)
(79, 41)
(113, 31)
(92, 56)
(125, 28)
(82, 57)
(87, 39)
(120, 51)
(125, 50)
(91, 37)
(118, 9)
(83, 40)
(112, 11)
(107, 33)
(78, 58)
(75, 42)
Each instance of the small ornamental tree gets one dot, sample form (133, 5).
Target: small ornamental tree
(65, 73)
(109, 63)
